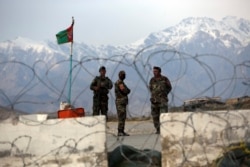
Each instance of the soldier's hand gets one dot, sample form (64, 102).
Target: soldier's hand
(96, 88)
(121, 87)
(102, 84)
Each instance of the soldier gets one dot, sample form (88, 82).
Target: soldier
(159, 87)
(101, 86)
(121, 101)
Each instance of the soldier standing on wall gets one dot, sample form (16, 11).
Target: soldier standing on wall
(121, 101)
(159, 87)
(101, 86)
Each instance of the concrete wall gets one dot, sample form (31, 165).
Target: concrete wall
(187, 139)
(196, 139)
(54, 142)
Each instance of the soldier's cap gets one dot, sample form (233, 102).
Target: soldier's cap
(157, 68)
(102, 68)
(121, 72)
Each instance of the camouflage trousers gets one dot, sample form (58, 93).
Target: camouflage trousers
(122, 115)
(100, 105)
(156, 110)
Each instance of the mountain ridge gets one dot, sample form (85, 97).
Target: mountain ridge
(188, 27)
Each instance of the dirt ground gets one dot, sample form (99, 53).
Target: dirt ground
(132, 127)
(142, 135)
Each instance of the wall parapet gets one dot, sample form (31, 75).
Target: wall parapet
(198, 138)
(69, 142)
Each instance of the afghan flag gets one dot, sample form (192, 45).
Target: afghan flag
(65, 36)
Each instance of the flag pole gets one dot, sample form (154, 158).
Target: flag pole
(70, 71)
(70, 75)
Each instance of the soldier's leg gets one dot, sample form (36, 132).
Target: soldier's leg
(155, 111)
(164, 107)
(121, 113)
(96, 106)
(104, 106)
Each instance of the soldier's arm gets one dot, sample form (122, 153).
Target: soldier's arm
(110, 84)
(93, 85)
(150, 85)
(127, 89)
(168, 84)
(123, 88)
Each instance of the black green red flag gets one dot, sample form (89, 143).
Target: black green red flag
(65, 36)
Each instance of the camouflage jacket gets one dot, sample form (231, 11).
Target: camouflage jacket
(104, 84)
(121, 95)
(159, 88)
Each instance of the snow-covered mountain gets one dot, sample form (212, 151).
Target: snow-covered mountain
(201, 56)
(229, 33)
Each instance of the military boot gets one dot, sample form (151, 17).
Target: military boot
(122, 133)
(157, 131)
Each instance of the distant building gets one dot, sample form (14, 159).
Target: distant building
(234, 101)
(201, 103)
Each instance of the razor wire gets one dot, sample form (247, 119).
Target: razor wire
(192, 76)
(42, 85)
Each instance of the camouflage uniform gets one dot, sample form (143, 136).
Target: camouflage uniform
(100, 98)
(159, 88)
(121, 103)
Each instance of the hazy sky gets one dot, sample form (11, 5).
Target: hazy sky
(114, 22)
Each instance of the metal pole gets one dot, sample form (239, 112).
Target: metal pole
(70, 74)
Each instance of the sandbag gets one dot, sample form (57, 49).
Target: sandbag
(128, 156)
(235, 155)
